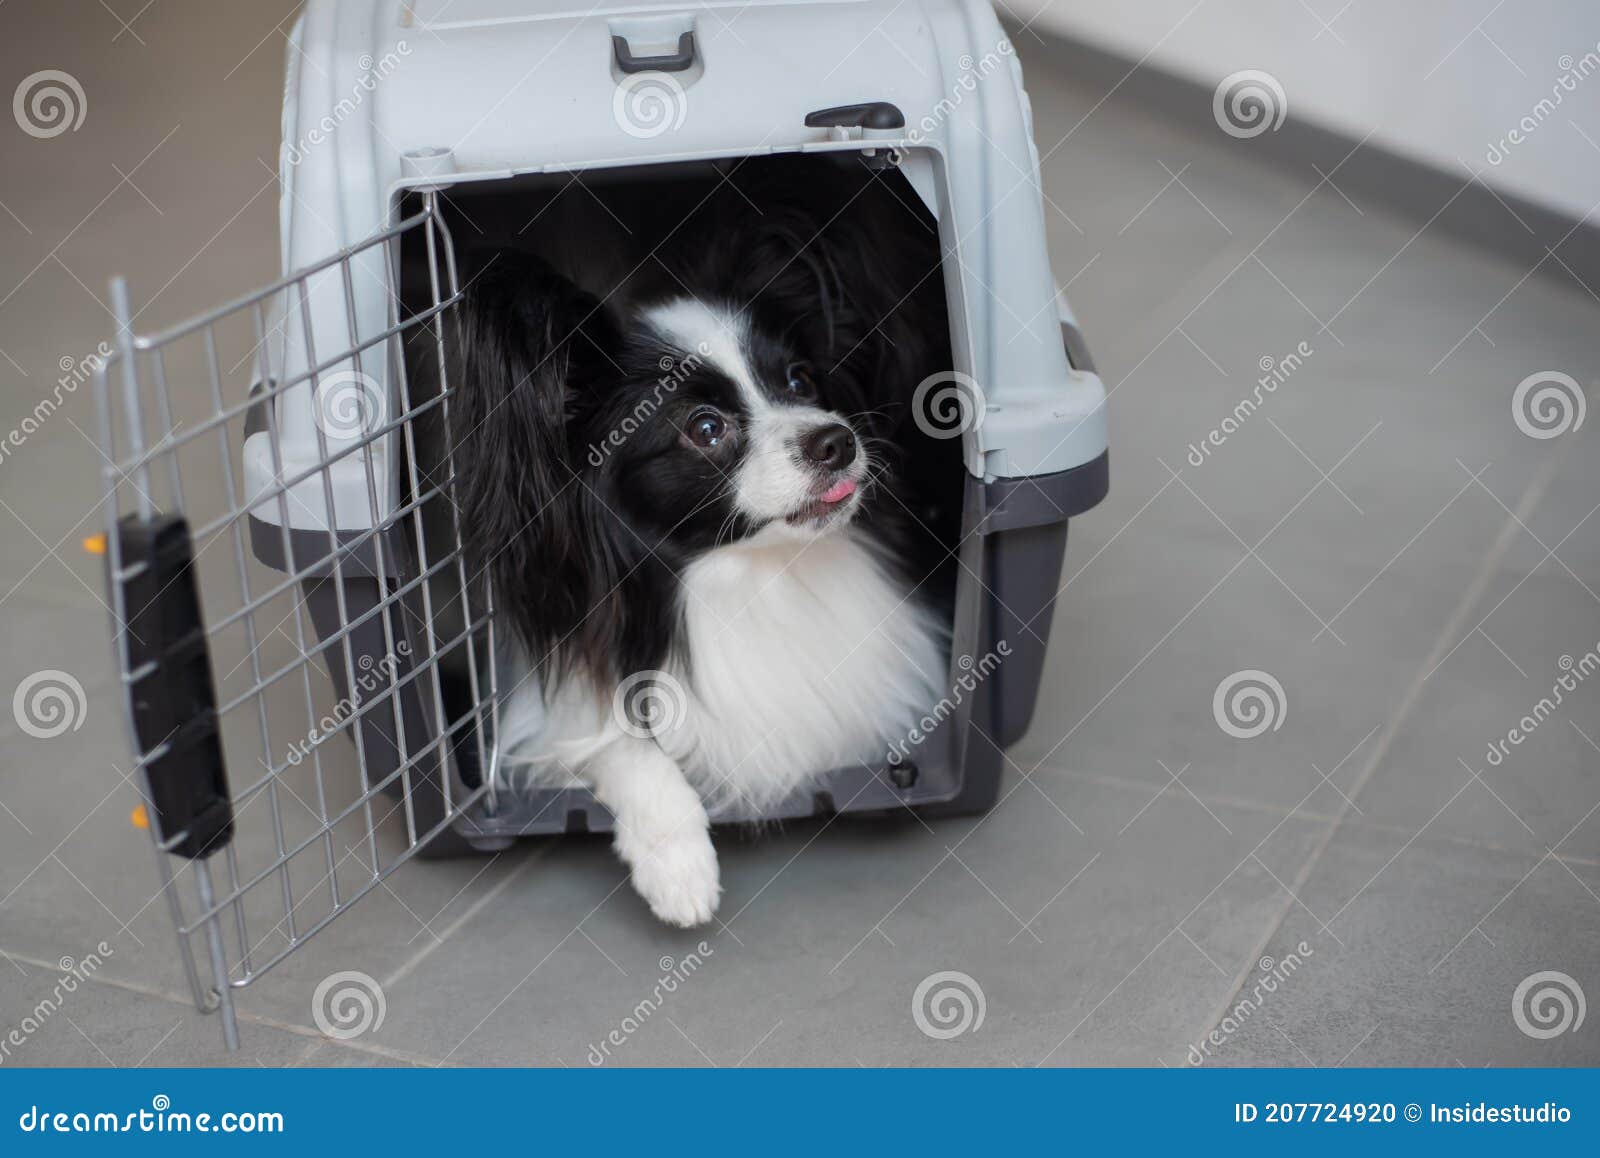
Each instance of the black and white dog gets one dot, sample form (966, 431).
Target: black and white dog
(680, 486)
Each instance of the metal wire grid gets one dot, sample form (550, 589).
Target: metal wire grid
(402, 573)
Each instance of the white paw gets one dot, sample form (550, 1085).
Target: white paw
(676, 875)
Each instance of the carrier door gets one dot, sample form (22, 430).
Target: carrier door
(308, 665)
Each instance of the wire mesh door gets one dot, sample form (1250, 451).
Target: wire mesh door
(308, 666)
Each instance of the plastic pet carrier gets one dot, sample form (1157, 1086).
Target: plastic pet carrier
(310, 668)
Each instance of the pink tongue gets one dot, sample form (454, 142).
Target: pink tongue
(839, 491)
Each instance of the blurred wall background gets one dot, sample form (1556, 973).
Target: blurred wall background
(1445, 82)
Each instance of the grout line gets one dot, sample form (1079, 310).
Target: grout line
(490, 895)
(1244, 804)
(399, 974)
(184, 1001)
(1463, 611)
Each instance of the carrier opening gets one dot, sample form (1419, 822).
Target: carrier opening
(617, 225)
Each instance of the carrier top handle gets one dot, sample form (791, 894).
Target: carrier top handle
(672, 62)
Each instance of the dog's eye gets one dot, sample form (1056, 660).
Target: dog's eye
(706, 428)
(800, 382)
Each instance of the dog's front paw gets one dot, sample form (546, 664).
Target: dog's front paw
(677, 876)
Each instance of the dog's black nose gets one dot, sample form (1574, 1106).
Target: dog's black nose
(831, 446)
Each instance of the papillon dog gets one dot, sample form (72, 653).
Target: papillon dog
(680, 484)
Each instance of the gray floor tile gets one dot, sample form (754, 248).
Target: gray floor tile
(829, 932)
(70, 1017)
(1454, 765)
(1432, 944)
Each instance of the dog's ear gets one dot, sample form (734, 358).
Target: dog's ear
(529, 345)
(788, 268)
(891, 330)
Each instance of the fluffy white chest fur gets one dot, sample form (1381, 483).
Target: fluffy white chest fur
(802, 657)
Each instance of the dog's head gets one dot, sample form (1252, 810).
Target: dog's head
(713, 427)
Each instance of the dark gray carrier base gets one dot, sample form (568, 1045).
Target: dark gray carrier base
(1022, 536)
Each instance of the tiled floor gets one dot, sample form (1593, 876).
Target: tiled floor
(1358, 884)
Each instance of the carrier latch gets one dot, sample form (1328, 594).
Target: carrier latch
(171, 696)
(871, 115)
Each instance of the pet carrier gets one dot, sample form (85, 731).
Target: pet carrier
(281, 500)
